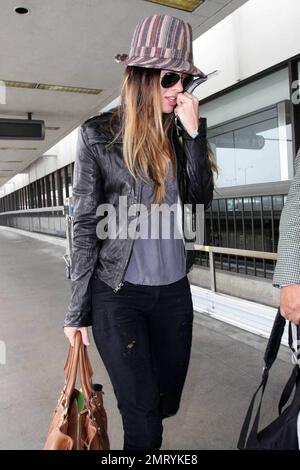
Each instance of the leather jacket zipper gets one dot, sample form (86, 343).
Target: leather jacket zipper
(177, 179)
(121, 283)
(173, 147)
(118, 287)
(178, 188)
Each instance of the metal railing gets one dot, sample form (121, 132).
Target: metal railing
(64, 215)
(211, 250)
(39, 210)
(245, 221)
(66, 211)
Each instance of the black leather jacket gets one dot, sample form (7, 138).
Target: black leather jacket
(101, 176)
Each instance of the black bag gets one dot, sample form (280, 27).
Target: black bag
(280, 434)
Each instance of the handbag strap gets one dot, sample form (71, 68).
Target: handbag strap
(294, 343)
(274, 342)
(78, 359)
(246, 424)
(86, 374)
(294, 378)
(68, 365)
(288, 389)
(71, 367)
(270, 356)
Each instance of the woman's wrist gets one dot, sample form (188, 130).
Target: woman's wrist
(194, 133)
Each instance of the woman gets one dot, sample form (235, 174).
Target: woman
(134, 290)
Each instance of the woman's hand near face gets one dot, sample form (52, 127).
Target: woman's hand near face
(187, 110)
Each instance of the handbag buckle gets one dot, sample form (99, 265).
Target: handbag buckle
(295, 358)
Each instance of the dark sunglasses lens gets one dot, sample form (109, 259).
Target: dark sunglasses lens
(170, 79)
(186, 81)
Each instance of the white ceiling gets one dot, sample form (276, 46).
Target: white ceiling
(72, 43)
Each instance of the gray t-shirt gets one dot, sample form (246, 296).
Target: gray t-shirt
(158, 255)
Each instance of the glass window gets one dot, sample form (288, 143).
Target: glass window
(296, 88)
(63, 183)
(52, 189)
(255, 148)
(47, 191)
(58, 183)
(250, 132)
(70, 178)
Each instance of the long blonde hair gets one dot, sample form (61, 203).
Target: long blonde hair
(147, 150)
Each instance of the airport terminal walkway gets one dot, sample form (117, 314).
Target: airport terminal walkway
(34, 293)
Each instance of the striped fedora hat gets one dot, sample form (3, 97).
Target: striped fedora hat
(162, 42)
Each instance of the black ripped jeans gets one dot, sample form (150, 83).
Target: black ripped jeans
(144, 334)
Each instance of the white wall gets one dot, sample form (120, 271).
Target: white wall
(259, 34)
(57, 157)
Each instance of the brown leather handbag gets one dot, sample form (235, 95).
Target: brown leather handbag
(70, 429)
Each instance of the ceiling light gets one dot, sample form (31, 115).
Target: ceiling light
(22, 10)
(45, 86)
(68, 89)
(11, 161)
(187, 5)
(16, 149)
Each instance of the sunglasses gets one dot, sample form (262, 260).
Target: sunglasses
(171, 78)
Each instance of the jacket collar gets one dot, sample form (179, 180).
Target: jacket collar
(105, 130)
